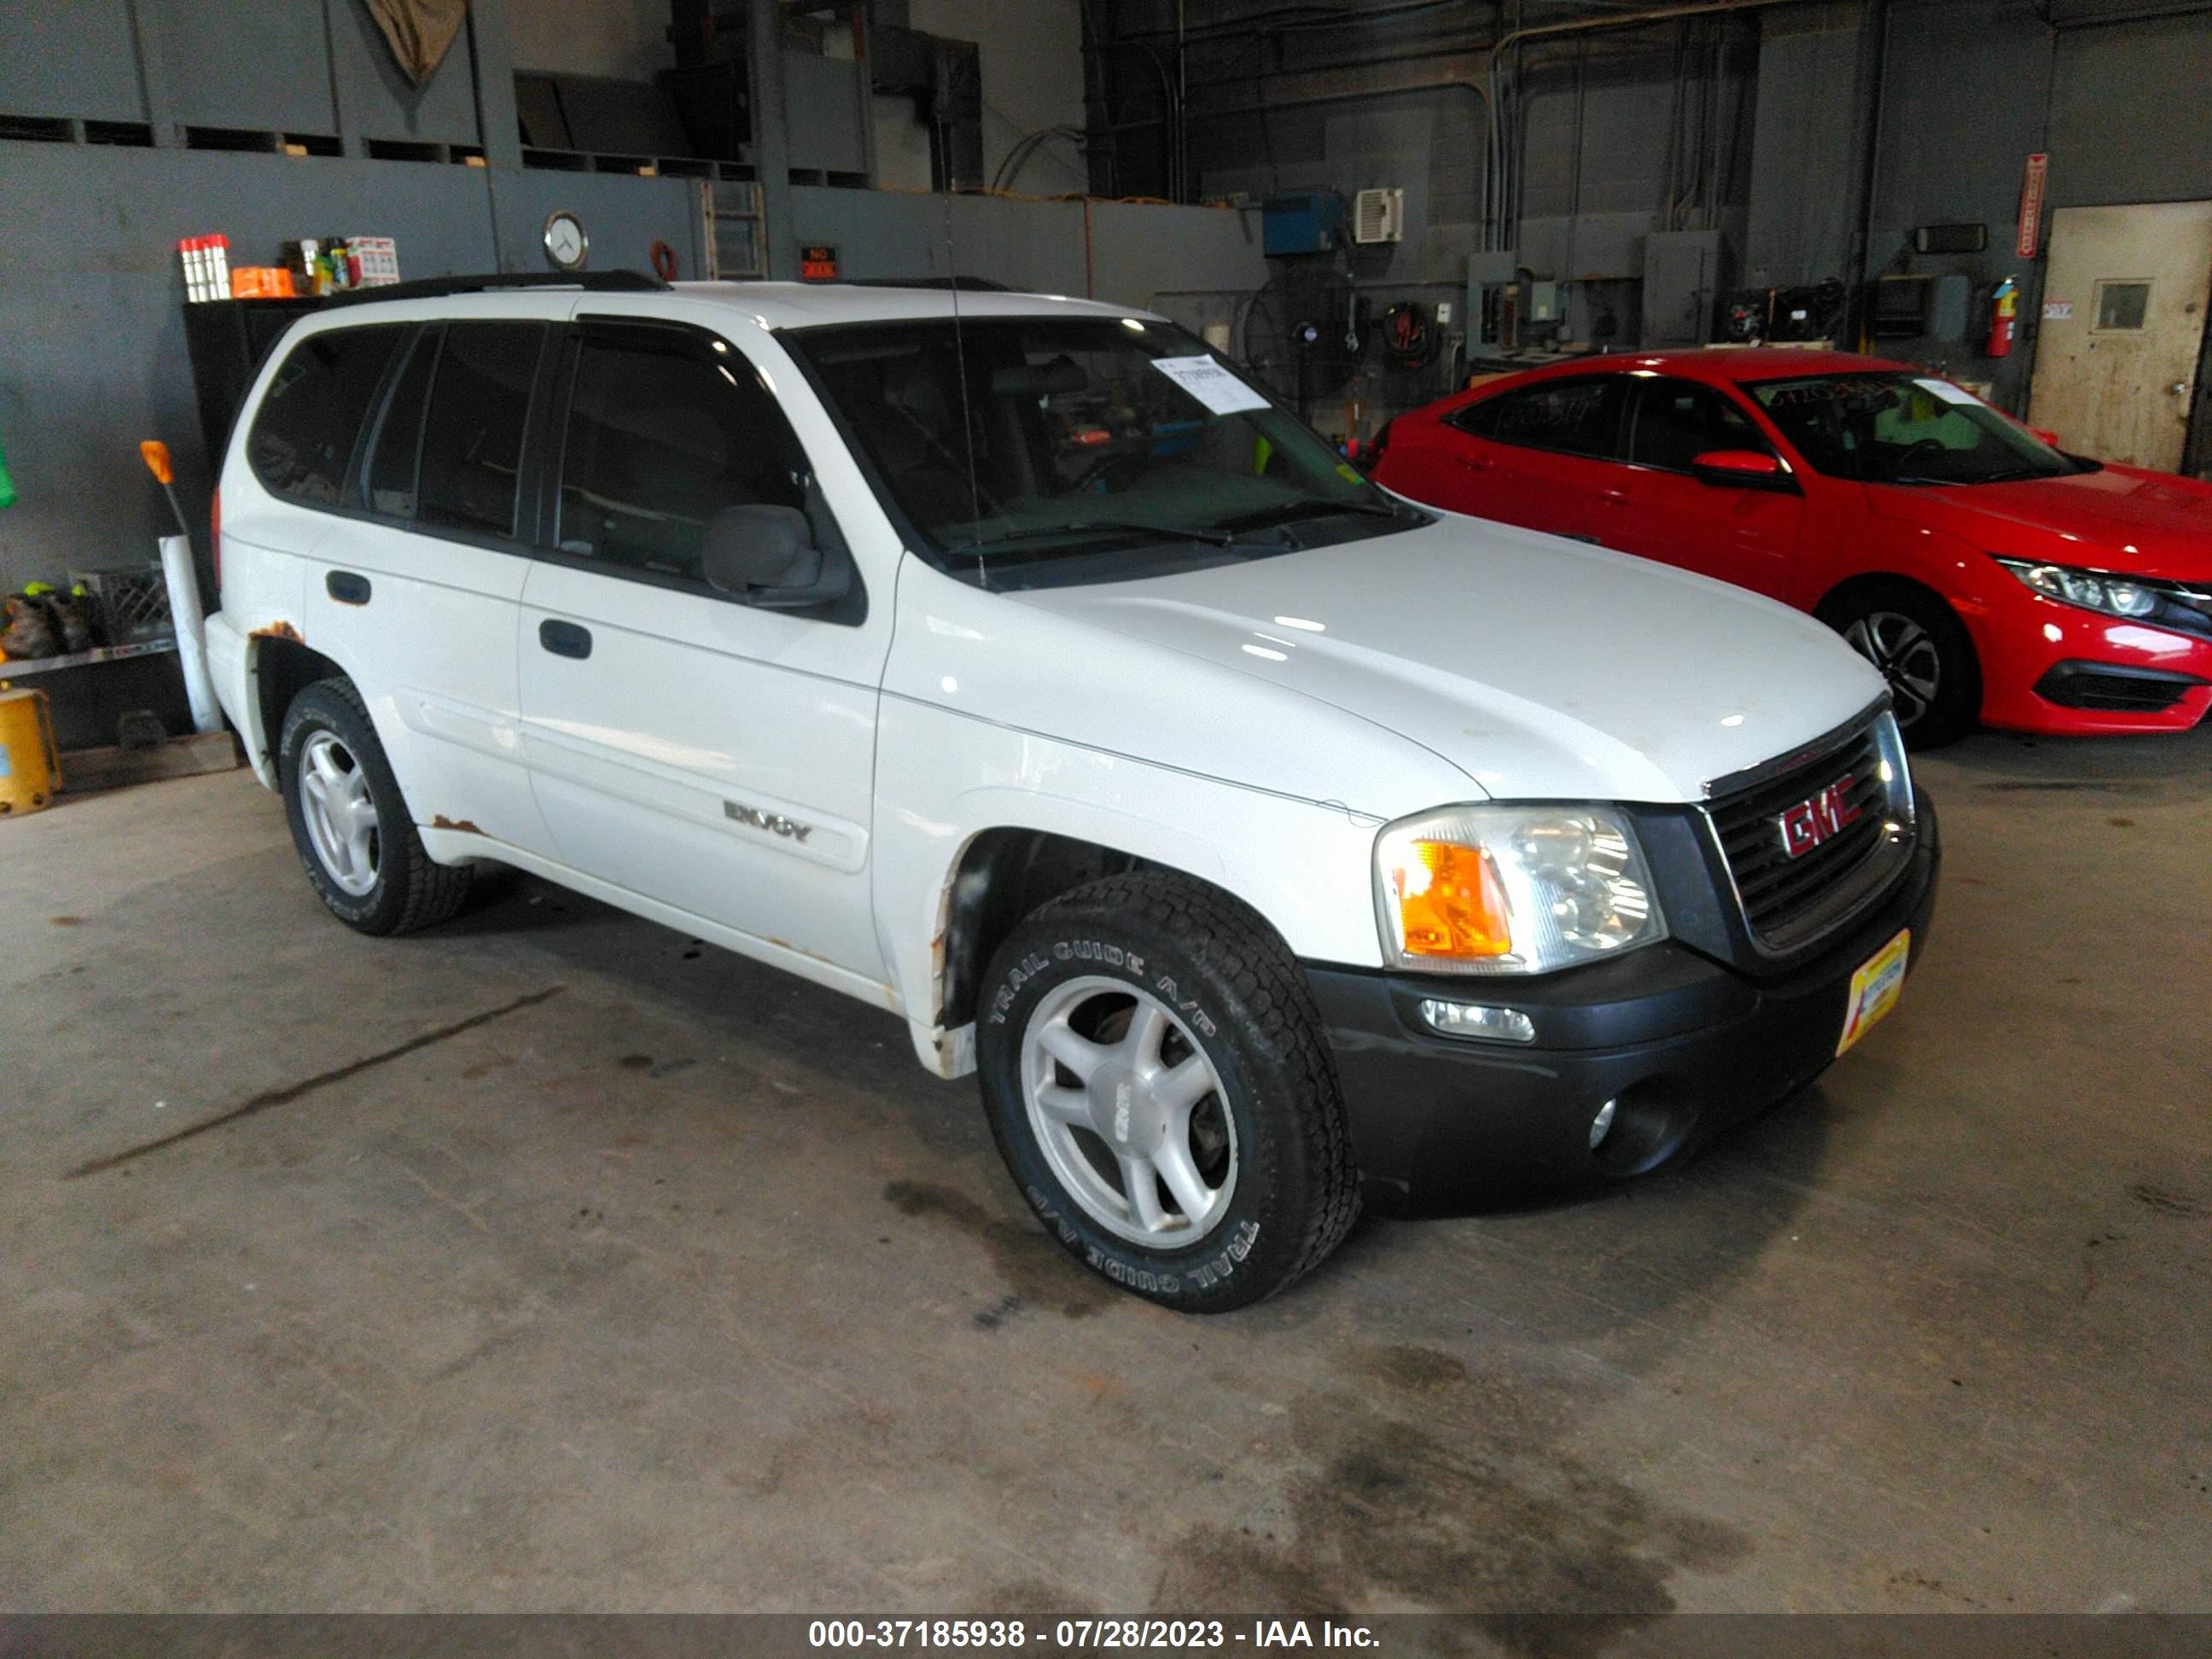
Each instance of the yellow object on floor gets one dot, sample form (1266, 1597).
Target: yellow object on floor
(30, 771)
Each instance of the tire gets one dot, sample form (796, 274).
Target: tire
(378, 880)
(1922, 649)
(1141, 978)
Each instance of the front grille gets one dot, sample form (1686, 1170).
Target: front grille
(1790, 900)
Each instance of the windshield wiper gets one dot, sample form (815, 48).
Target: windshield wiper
(1292, 512)
(1166, 531)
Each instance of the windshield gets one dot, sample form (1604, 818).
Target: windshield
(1088, 435)
(1892, 428)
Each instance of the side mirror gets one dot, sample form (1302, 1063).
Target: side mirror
(1742, 469)
(2047, 435)
(767, 556)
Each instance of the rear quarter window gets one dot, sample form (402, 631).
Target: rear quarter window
(1569, 417)
(305, 432)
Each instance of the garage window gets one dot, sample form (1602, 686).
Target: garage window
(302, 441)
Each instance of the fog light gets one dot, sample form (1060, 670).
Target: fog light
(1472, 1019)
(1601, 1125)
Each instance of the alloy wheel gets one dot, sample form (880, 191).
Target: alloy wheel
(1908, 657)
(1129, 1112)
(340, 813)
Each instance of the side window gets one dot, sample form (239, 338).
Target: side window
(395, 458)
(472, 435)
(1570, 418)
(1676, 422)
(302, 440)
(665, 431)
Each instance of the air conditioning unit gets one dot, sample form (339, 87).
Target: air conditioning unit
(1379, 216)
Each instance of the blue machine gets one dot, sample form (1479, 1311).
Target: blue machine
(1302, 221)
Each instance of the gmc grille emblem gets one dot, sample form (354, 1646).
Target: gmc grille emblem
(1809, 822)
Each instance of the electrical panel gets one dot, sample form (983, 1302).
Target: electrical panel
(1684, 273)
(1378, 216)
(1301, 222)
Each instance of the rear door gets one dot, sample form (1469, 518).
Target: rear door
(698, 752)
(413, 591)
(1544, 455)
(1739, 534)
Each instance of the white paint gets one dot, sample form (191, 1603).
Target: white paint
(1253, 724)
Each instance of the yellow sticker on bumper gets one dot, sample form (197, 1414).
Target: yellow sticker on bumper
(1874, 989)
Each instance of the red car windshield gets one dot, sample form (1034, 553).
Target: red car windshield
(1891, 427)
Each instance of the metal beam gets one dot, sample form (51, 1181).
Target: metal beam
(771, 135)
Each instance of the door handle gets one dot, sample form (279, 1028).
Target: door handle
(346, 588)
(564, 639)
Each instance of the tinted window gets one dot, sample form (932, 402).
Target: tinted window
(472, 440)
(301, 443)
(395, 460)
(1676, 422)
(1574, 417)
(665, 431)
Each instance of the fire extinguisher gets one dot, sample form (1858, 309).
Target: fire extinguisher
(2004, 312)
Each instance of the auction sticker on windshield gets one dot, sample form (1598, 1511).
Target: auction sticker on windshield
(1210, 384)
(1946, 390)
(1874, 989)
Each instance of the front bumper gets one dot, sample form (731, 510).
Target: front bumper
(2059, 669)
(1686, 1045)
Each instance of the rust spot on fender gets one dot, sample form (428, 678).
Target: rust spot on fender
(463, 825)
(279, 630)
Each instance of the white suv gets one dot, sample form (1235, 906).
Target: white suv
(1268, 843)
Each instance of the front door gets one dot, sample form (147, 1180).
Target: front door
(686, 748)
(1736, 533)
(2124, 305)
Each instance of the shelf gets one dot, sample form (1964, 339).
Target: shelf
(14, 668)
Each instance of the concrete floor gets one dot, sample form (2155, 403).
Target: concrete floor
(683, 1287)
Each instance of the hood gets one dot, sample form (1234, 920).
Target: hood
(1543, 669)
(2120, 518)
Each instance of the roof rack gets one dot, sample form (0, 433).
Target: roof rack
(439, 287)
(965, 284)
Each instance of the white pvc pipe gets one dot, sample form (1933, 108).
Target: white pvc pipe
(192, 631)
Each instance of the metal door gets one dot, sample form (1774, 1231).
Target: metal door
(2123, 306)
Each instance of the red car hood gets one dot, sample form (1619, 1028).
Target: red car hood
(2146, 524)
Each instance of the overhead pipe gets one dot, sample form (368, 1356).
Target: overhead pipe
(1476, 77)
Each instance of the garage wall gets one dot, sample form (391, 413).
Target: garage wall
(1135, 253)
(1971, 88)
(92, 340)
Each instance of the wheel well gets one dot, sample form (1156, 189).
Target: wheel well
(1844, 592)
(1003, 876)
(282, 668)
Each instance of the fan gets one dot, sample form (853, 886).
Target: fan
(1304, 332)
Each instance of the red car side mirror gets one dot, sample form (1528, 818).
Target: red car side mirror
(2049, 437)
(1745, 468)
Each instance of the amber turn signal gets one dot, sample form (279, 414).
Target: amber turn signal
(1451, 902)
(155, 454)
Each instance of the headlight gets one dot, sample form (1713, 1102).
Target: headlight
(1512, 889)
(2092, 590)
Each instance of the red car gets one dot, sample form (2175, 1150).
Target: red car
(1988, 575)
